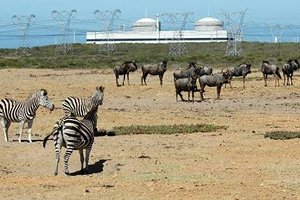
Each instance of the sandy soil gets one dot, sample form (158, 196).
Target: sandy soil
(237, 163)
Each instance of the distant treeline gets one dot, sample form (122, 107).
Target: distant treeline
(88, 56)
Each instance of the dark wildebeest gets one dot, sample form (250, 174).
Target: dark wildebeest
(288, 70)
(154, 70)
(268, 69)
(187, 85)
(193, 69)
(241, 70)
(125, 69)
(204, 70)
(213, 80)
(190, 71)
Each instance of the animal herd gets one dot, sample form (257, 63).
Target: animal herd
(69, 131)
(76, 133)
(186, 80)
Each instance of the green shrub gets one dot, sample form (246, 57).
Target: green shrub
(166, 129)
(282, 135)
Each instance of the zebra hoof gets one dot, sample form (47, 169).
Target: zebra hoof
(67, 173)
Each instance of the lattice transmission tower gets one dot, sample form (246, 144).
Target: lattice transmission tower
(277, 32)
(24, 23)
(177, 23)
(107, 19)
(64, 41)
(234, 21)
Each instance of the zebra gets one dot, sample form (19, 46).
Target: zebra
(73, 134)
(80, 107)
(22, 112)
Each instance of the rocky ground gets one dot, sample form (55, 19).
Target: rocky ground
(236, 163)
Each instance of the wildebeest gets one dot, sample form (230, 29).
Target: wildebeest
(124, 69)
(190, 71)
(241, 70)
(288, 70)
(205, 70)
(193, 69)
(154, 70)
(187, 85)
(268, 69)
(213, 80)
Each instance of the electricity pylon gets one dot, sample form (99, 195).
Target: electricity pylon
(107, 19)
(234, 21)
(24, 22)
(64, 41)
(177, 22)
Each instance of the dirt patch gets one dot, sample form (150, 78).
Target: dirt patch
(236, 163)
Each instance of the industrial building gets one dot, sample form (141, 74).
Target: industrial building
(147, 30)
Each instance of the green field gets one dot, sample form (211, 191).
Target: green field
(87, 56)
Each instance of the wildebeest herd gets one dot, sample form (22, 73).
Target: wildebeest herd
(186, 80)
(75, 133)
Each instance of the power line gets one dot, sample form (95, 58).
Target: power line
(107, 18)
(24, 23)
(64, 41)
(178, 22)
(234, 21)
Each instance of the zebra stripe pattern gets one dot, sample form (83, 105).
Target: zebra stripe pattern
(80, 107)
(22, 112)
(73, 134)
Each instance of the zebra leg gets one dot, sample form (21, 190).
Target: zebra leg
(87, 157)
(58, 140)
(5, 125)
(81, 158)
(21, 130)
(30, 122)
(68, 153)
(57, 157)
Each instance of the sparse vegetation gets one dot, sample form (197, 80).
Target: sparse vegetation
(86, 55)
(166, 129)
(282, 135)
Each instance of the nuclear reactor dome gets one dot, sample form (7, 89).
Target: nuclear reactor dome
(208, 24)
(145, 25)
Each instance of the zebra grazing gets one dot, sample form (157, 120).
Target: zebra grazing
(80, 107)
(22, 112)
(73, 134)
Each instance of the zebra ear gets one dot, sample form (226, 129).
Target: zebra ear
(101, 88)
(43, 92)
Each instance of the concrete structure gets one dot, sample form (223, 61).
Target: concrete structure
(147, 30)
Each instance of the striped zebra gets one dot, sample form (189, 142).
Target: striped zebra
(73, 134)
(22, 112)
(80, 107)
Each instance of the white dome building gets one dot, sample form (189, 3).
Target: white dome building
(145, 25)
(208, 24)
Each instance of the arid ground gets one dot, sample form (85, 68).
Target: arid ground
(236, 163)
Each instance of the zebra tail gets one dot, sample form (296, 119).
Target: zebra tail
(46, 139)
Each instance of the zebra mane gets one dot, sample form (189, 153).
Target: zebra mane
(35, 94)
(89, 115)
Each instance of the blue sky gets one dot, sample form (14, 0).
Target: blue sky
(259, 13)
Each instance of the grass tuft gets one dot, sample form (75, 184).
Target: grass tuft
(282, 135)
(166, 129)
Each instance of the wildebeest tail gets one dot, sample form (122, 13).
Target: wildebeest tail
(278, 73)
